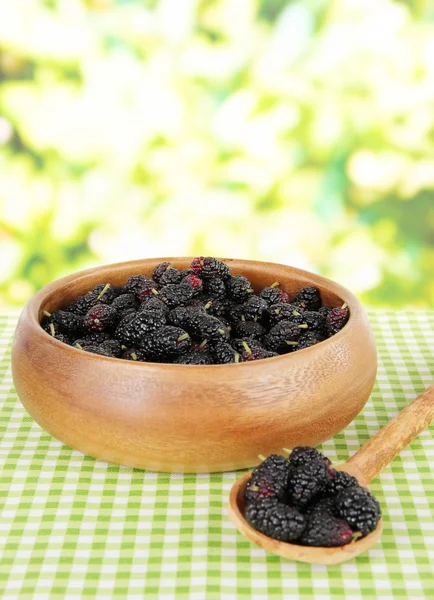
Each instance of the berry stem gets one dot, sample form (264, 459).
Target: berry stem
(79, 346)
(236, 357)
(103, 291)
(275, 284)
(202, 344)
(261, 457)
(154, 291)
(243, 318)
(344, 305)
(222, 331)
(246, 347)
(184, 336)
(287, 450)
(208, 305)
(304, 326)
(296, 313)
(46, 313)
(133, 355)
(250, 290)
(53, 331)
(291, 343)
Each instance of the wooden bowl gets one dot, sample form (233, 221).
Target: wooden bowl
(185, 418)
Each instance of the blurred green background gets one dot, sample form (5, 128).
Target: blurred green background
(300, 132)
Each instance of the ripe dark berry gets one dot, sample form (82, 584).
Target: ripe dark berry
(194, 358)
(324, 310)
(265, 485)
(275, 519)
(274, 295)
(323, 505)
(92, 338)
(359, 507)
(101, 317)
(215, 306)
(315, 321)
(159, 271)
(181, 315)
(54, 332)
(178, 316)
(253, 308)
(208, 328)
(186, 272)
(106, 293)
(165, 342)
(282, 337)
(137, 283)
(308, 339)
(112, 346)
(134, 328)
(176, 294)
(308, 298)
(171, 275)
(100, 294)
(252, 353)
(154, 304)
(195, 282)
(67, 323)
(339, 480)
(275, 464)
(239, 344)
(134, 354)
(215, 288)
(209, 267)
(283, 312)
(269, 479)
(233, 310)
(239, 288)
(324, 530)
(301, 455)
(147, 290)
(250, 329)
(125, 301)
(82, 304)
(336, 319)
(224, 353)
(307, 481)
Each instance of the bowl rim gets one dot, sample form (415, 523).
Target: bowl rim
(33, 308)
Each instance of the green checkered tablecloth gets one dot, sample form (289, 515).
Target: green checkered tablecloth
(74, 527)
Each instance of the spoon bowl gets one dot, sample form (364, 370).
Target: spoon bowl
(308, 554)
(366, 464)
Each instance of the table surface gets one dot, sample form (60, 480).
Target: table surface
(75, 527)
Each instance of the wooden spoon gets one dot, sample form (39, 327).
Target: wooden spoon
(366, 464)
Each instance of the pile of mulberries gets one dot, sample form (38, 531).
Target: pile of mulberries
(200, 316)
(303, 500)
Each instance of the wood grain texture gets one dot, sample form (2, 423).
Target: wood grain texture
(382, 448)
(366, 464)
(324, 556)
(185, 418)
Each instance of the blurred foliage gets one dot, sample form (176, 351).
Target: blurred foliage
(293, 131)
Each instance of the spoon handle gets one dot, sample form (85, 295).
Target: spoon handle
(391, 439)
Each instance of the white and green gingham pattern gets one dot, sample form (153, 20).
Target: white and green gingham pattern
(74, 527)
